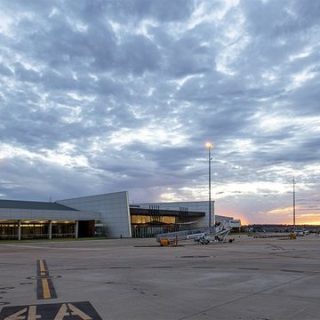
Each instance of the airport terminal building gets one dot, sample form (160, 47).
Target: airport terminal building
(107, 215)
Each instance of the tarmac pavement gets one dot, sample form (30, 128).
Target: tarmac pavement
(258, 279)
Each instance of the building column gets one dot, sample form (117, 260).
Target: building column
(19, 229)
(76, 230)
(50, 230)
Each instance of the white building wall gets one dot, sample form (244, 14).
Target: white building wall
(113, 209)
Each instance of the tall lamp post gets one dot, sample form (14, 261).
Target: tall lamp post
(294, 203)
(209, 146)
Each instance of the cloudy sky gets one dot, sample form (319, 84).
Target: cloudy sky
(104, 96)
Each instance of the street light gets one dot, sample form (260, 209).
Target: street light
(294, 203)
(209, 146)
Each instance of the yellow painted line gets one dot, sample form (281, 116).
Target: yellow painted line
(45, 289)
(42, 267)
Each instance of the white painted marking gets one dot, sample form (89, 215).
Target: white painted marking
(32, 314)
(21, 315)
(55, 248)
(18, 315)
(70, 310)
(77, 312)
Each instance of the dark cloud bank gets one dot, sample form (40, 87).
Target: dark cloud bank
(102, 96)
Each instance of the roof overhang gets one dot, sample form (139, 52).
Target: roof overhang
(57, 215)
(134, 211)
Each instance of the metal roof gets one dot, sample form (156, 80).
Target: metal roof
(33, 205)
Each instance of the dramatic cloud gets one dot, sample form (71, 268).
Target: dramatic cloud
(102, 96)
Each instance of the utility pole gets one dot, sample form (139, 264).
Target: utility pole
(294, 203)
(209, 146)
(210, 209)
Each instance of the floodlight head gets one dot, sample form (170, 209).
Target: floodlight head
(209, 145)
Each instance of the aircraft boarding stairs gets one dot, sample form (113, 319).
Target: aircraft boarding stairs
(202, 235)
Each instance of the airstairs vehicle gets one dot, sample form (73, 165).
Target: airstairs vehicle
(200, 235)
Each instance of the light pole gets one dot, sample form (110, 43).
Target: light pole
(294, 203)
(209, 146)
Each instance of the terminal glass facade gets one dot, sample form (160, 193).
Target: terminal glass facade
(144, 226)
(9, 230)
